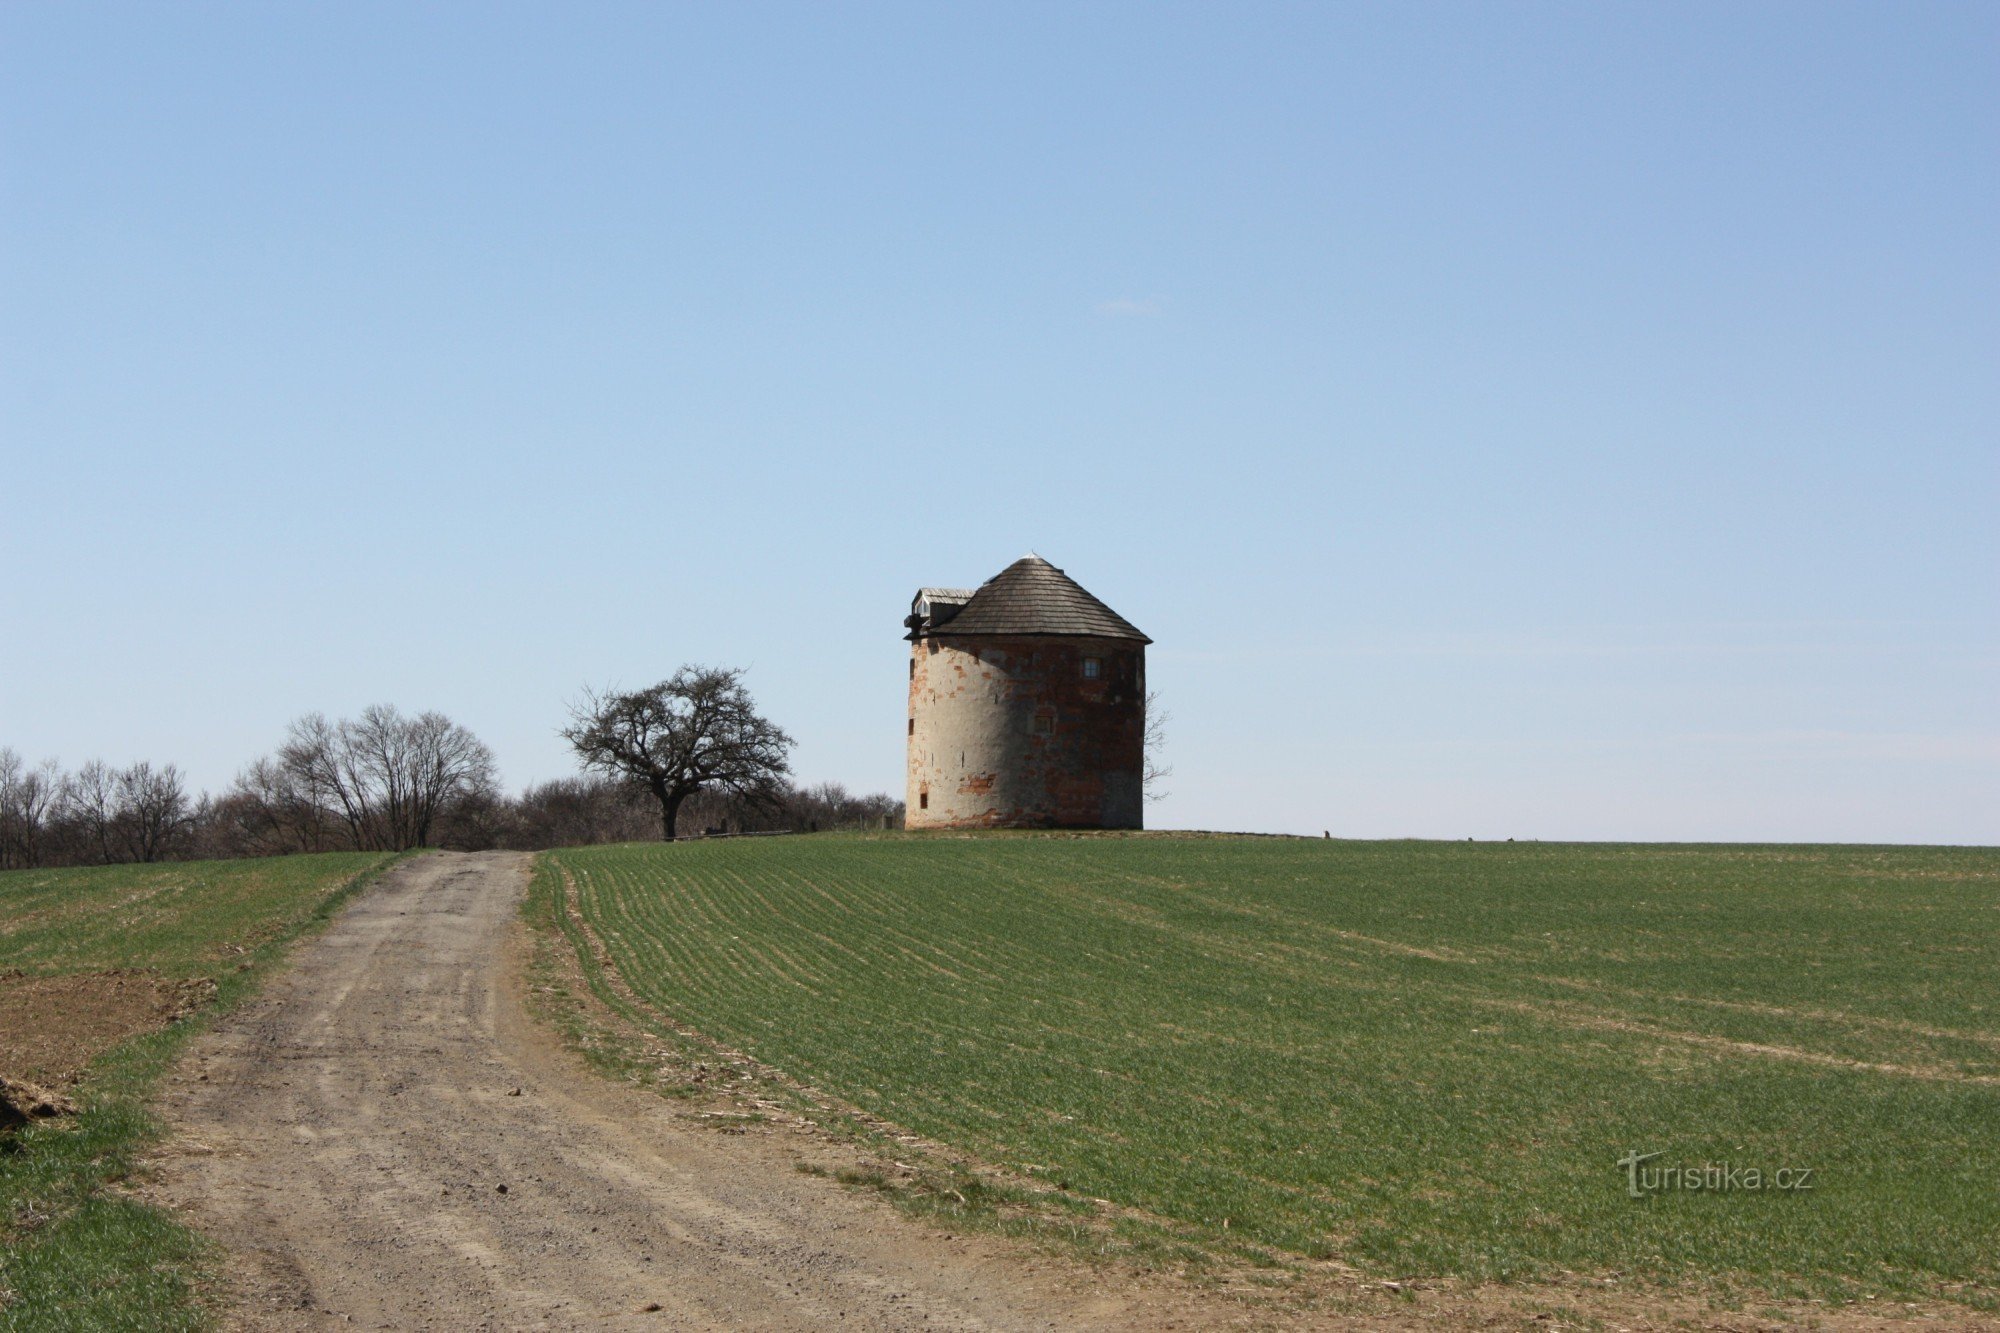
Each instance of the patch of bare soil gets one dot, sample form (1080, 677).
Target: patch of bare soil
(22, 1101)
(53, 1026)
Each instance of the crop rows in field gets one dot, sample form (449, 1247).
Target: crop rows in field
(177, 919)
(1425, 1058)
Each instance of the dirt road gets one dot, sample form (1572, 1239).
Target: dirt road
(355, 1138)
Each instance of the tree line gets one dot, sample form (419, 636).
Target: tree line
(691, 753)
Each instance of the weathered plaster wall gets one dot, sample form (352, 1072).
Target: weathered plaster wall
(977, 758)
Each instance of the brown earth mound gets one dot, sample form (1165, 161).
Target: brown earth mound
(52, 1026)
(21, 1102)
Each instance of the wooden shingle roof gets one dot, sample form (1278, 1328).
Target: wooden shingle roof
(1032, 596)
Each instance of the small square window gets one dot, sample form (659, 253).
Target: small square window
(1093, 667)
(1044, 725)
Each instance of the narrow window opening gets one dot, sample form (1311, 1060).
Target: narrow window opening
(913, 668)
(923, 800)
(913, 726)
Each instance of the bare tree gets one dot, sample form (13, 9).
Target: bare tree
(282, 805)
(316, 758)
(386, 777)
(153, 806)
(823, 807)
(90, 802)
(575, 812)
(696, 731)
(29, 798)
(1156, 770)
(382, 781)
(375, 756)
(446, 764)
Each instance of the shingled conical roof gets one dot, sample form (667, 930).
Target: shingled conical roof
(1032, 596)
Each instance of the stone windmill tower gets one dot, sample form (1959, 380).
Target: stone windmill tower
(1027, 706)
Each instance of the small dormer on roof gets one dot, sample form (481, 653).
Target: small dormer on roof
(1030, 596)
(932, 607)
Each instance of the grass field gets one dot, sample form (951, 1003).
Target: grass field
(76, 1252)
(181, 920)
(1421, 1059)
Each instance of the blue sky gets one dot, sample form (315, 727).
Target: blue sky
(1509, 420)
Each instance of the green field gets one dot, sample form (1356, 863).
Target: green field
(1422, 1059)
(76, 1252)
(181, 920)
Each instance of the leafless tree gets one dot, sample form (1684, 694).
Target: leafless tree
(388, 778)
(696, 731)
(822, 807)
(316, 759)
(388, 781)
(1156, 770)
(29, 797)
(90, 802)
(826, 806)
(282, 807)
(445, 763)
(152, 807)
(375, 756)
(579, 811)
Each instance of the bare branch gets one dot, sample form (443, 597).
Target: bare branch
(1156, 770)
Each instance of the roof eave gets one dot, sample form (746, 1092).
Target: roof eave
(946, 632)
